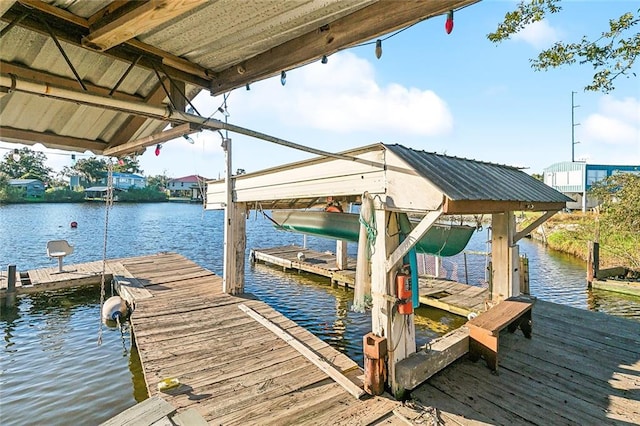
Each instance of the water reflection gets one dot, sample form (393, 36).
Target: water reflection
(52, 369)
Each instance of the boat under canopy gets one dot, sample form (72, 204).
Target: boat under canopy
(440, 239)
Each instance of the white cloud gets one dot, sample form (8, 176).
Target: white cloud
(617, 122)
(538, 34)
(612, 133)
(343, 96)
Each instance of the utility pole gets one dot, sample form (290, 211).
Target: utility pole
(573, 128)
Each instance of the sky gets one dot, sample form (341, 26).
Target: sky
(457, 94)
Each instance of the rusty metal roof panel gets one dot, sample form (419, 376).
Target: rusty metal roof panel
(464, 179)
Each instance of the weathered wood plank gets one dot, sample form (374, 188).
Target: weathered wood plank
(313, 357)
(146, 412)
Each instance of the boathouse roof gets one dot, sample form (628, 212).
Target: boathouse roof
(109, 76)
(405, 179)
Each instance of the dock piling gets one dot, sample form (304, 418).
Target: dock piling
(10, 299)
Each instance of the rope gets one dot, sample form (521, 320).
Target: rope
(108, 204)
(369, 225)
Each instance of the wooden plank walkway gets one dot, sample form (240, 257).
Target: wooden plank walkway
(231, 368)
(580, 367)
(451, 296)
(73, 275)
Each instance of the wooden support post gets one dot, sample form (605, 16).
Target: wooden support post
(593, 262)
(11, 279)
(524, 275)
(11, 286)
(505, 257)
(234, 233)
(385, 320)
(341, 254)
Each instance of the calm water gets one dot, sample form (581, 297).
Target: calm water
(53, 372)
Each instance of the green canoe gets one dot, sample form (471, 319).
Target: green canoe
(441, 240)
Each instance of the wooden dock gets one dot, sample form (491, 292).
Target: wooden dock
(451, 296)
(580, 367)
(231, 368)
(73, 275)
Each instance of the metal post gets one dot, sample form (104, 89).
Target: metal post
(573, 128)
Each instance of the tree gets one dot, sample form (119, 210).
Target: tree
(160, 182)
(611, 55)
(27, 164)
(129, 165)
(92, 169)
(620, 196)
(620, 216)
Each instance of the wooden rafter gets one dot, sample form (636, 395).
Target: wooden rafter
(72, 29)
(134, 122)
(372, 21)
(132, 19)
(68, 83)
(50, 140)
(156, 138)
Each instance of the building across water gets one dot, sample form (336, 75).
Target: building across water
(574, 179)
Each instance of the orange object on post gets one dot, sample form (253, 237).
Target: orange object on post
(375, 371)
(403, 292)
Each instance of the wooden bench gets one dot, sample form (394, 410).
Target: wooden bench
(484, 329)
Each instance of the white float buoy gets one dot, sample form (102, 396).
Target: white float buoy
(113, 308)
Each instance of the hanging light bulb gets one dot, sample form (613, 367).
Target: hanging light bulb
(448, 25)
(158, 148)
(283, 78)
(16, 155)
(324, 59)
(224, 111)
(248, 87)
(189, 139)
(378, 48)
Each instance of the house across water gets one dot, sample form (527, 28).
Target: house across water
(192, 187)
(31, 188)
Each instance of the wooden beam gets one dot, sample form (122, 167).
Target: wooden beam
(134, 122)
(177, 91)
(5, 5)
(443, 351)
(50, 140)
(367, 23)
(533, 225)
(341, 255)
(133, 19)
(489, 206)
(156, 138)
(414, 236)
(72, 30)
(68, 83)
(316, 359)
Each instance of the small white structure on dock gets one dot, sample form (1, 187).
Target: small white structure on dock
(400, 180)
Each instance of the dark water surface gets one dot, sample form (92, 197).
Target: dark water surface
(53, 372)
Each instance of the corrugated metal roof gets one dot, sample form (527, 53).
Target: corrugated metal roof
(215, 45)
(464, 179)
